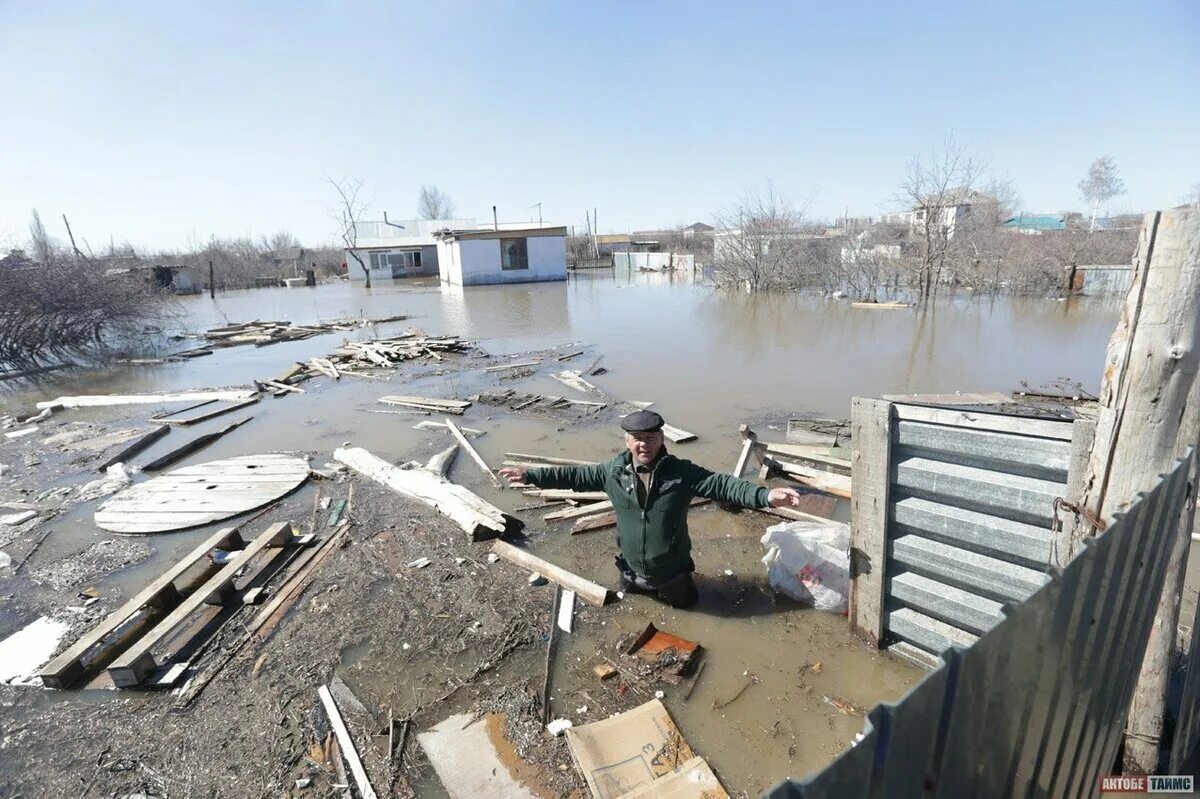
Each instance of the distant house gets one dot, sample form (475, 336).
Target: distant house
(401, 249)
(697, 229)
(177, 279)
(1036, 223)
(474, 257)
(946, 212)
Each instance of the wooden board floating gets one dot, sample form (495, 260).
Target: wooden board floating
(133, 449)
(480, 519)
(428, 404)
(201, 494)
(205, 416)
(187, 448)
(678, 435)
(588, 591)
(881, 306)
(98, 400)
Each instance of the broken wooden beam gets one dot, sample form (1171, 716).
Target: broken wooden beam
(197, 443)
(293, 586)
(836, 484)
(506, 366)
(134, 447)
(162, 593)
(480, 519)
(441, 462)
(597, 522)
(575, 513)
(589, 592)
(521, 456)
(471, 451)
(427, 404)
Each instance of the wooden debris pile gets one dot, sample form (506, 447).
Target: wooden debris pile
(520, 401)
(365, 360)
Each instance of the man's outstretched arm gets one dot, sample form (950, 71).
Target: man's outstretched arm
(575, 478)
(736, 491)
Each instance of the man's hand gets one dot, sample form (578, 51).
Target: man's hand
(513, 474)
(784, 498)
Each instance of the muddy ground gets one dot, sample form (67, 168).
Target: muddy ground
(782, 693)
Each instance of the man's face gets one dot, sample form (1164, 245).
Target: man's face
(644, 446)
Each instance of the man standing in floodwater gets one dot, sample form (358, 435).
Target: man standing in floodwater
(651, 491)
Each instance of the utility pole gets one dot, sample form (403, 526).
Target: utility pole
(495, 219)
(539, 207)
(212, 284)
(71, 236)
(1148, 416)
(595, 234)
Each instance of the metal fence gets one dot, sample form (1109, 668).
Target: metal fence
(658, 261)
(1036, 706)
(1187, 720)
(961, 520)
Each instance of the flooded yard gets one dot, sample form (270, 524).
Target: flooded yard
(708, 361)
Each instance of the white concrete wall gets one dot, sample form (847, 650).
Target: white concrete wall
(654, 260)
(476, 262)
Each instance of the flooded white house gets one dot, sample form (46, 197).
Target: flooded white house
(472, 257)
(398, 249)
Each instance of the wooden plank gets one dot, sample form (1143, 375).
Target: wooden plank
(957, 398)
(273, 611)
(880, 306)
(184, 409)
(365, 791)
(433, 402)
(597, 522)
(871, 433)
(980, 420)
(475, 456)
(204, 417)
(749, 444)
(138, 662)
(566, 493)
(506, 366)
(480, 519)
(1068, 541)
(197, 443)
(575, 513)
(835, 484)
(68, 666)
(99, 400)
(678, 435)
(810, 455)
(588, 591)
(521, 456)
(135, 447)
(419, 406)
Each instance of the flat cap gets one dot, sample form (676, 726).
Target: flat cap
(642, 422)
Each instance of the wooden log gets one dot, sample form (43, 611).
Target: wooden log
(597, 522)
(184, 409)
(162, 593)
(677, 434)
(138, 662)
(588, 591)
(346, 744)
(134, 447)
(481, 520)
(204, 417)
(1149, 414)
(520, 456)
(566, 493)
(441, 462)
(99, 400)
(475, 456)
(197, 443)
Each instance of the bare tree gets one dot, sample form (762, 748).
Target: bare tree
(433, 203)
(1100, 185)
(940, 189)
(1192, 196)
(348, 214)
(43, 247)
(759, 243)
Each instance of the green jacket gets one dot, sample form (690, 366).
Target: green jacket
(654, 540)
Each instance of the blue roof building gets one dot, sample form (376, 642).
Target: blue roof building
(1036, 223)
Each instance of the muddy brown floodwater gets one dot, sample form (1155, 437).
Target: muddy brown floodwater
(709, 361)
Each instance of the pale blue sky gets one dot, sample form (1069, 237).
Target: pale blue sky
(166, 122)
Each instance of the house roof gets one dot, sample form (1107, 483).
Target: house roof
(1037, 222)
(699, 227)
(509, 233)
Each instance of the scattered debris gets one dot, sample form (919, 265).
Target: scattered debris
(419, 563)
(845, 706)
(473, 758)
(536, 579)
(750, 680)
(574, 379)
(519, 401)
(13, 519)
(604, 671)
(428, 404)
(115, 478)
(346, 745)
(566, 611)
(197, 443)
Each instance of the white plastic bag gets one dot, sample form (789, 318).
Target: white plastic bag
(810, 561)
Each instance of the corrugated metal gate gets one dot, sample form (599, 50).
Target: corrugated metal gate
(1036, 706)
(964, 525)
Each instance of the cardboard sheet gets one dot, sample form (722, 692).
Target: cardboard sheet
(694, 781)
(474, 760)
(632, 750)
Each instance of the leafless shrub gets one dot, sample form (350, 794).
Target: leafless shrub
(763, 243)
(348, 213)
(433, 203)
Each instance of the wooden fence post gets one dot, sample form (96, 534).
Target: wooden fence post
(871, 436)
(1149, 415)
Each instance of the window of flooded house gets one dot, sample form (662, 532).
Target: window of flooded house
(399, 262)
(514, 254)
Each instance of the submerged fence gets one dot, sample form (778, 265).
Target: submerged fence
(1036, 707)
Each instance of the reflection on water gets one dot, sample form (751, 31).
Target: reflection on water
(711, 358)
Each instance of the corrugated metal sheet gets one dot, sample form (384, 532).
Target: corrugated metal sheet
(1187, 720)
(1036, 706)
(968, 528)
(1106, 281)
